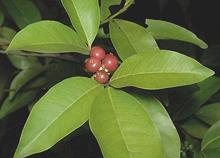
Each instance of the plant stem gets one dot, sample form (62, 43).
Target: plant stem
(126, 6)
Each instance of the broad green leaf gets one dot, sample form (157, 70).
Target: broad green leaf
(213, 153)
(129, 38)
(20, 62)
(209, 113)
(1, 17)
(164, 69)
(166, 30)
(188, 102)
(63, 109)
(24, 12)
(211, 139)
(195, 128)
(6, 35)
(85, 17)
(122, 128)
(163, 122)
(23, 78)
(48, 37)
(199, 154)
(23, 62)
(105, 7)
(22, 99)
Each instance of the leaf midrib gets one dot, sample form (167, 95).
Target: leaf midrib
(78, 17)
(134, 48)
(210, 142)
(142, 73)
(56, 118)
(118, 123)
(191, 37)
(50, 43)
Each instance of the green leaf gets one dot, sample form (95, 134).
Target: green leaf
(209, 113)
(23, 78)
(85, 17)
(63, 109)
(128, 2)
(213, 153)
(211, 139)
(163, 122)
(164, 69)
(23, 62)
(166, 30)
(22, 99)
(1, 17)
(20, 62)
(105, 8)
(6, 35)
(199, 154)
(195, 128)
(135, 39)
(189, 101)
(48, 37)
(122, 127)
(24, 12)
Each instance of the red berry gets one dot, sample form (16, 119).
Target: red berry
(101, 77)
(97, 52)
(110, 62)
(92, 64)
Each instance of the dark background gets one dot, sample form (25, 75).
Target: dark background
(200, 16)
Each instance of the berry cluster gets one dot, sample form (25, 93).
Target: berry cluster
(101, 64)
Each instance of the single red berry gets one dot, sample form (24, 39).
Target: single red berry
(97, 52)
(101, 77)
(110, 62)
(92, 64)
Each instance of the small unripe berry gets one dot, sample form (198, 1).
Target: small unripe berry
(101, 77)
(110, 62)
(97, 52)
(92, 64)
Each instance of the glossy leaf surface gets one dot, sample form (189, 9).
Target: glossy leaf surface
(85, 17)
(48, 37)
(63, 109)
(166, 30)
(122, 127)
(129, 39)
(164, 69)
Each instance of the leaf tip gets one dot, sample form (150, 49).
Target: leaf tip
(203, 45)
